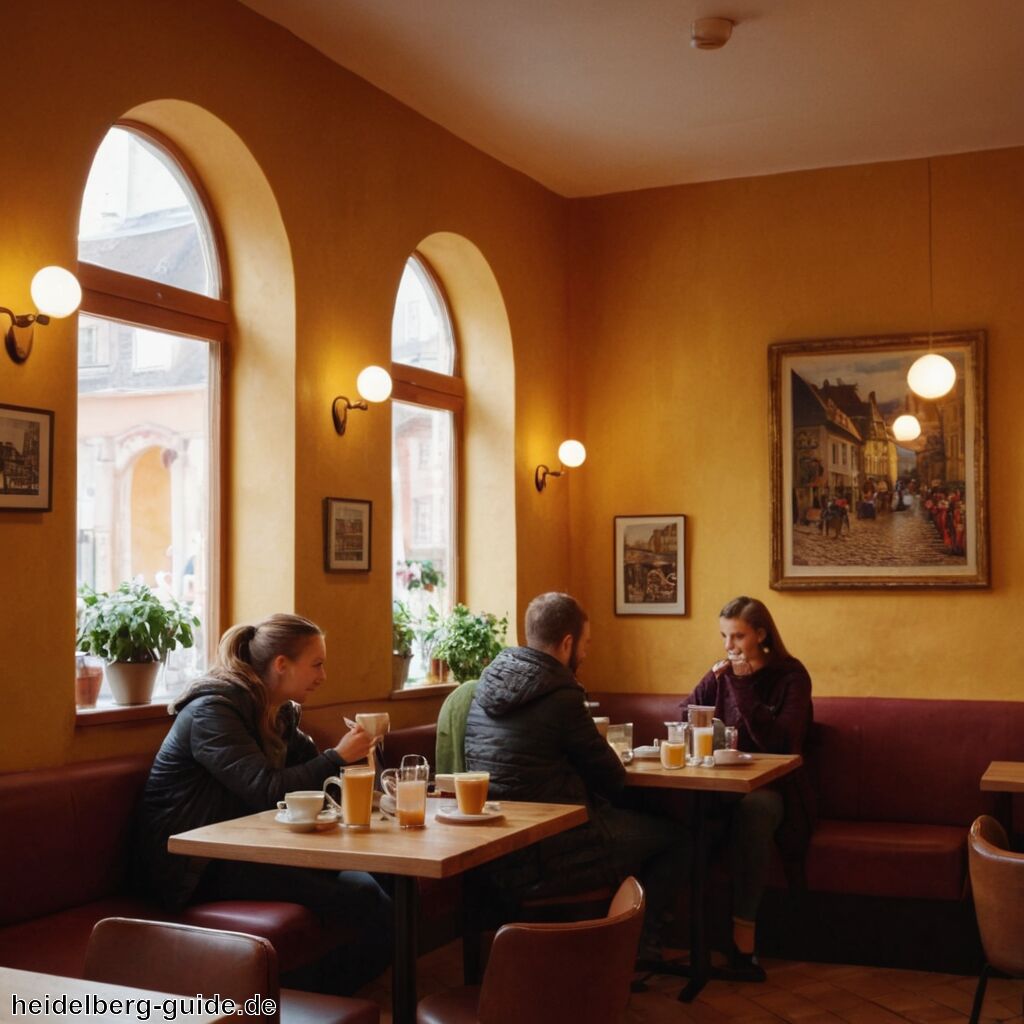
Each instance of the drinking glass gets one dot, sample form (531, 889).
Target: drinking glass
(732, 738)
(702, 731)
(673, 749)
(407, 784)
(620, 739)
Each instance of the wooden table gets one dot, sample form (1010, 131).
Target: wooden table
(1004, 778)
(438, 851)
(28, 985)
(703, 782)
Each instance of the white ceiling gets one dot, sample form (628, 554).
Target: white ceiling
(595, 96)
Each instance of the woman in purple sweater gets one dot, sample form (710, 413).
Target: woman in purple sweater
(766, 693)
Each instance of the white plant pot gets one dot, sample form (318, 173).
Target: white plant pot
(132, 683)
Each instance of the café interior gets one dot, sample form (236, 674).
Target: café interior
(628, 241)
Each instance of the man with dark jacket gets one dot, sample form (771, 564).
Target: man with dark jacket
(529, 728)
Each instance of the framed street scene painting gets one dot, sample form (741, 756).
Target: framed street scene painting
(26, 459)
(347, 523)
(650, 577)
(871, 484)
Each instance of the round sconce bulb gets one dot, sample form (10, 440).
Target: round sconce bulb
(56, 292)
(572, 454)
(374, 384)
(931, 376)
(906, 428)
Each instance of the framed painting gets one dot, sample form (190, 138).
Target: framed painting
(347, 531)
(650, 570)
(872, 485)
(26, 459)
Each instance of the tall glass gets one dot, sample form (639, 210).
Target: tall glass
(702, 728)
(620, 739)
(408, 785)
(673, 749)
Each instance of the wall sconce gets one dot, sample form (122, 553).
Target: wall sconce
(373, 385)
(56, 293)
(570, 454)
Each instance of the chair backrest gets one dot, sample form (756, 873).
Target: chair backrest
(551, 973)
(183, 960)
(997, 878)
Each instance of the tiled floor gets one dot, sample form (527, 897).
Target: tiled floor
(803, 993)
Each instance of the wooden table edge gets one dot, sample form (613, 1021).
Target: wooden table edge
(994, 780)
(715, 780)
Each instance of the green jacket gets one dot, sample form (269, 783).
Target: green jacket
(451, 729)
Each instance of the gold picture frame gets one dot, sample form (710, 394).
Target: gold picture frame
(852, 507)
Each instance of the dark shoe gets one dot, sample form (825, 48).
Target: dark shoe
(744, 967)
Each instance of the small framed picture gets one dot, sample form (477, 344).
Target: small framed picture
(347, 525)
(26, 459)
(650, 567)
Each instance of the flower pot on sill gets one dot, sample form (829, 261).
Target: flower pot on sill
(88, 680)
(438, 670)
(132, 682)
(399, 670)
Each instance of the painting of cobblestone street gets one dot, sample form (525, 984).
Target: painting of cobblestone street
(856, 501)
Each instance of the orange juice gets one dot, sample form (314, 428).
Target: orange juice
(471, 791)
(357, 796)
(703, 742)
(411, 803)
(673, 755)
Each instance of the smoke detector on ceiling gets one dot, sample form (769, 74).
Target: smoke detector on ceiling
(710, 33)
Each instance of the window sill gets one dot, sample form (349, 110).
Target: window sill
(427, 690)
(115, 715)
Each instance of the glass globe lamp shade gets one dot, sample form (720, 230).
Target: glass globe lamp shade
(56, 292)
(931, 376)
(906, 428)
(572, 454)
(374, 384)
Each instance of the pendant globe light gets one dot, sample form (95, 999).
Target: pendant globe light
(931, 376)
(906, 428)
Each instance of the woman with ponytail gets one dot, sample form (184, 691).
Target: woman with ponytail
(235, 747)
(762, 690)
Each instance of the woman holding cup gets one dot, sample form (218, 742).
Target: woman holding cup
(765, 694)
(235, 747)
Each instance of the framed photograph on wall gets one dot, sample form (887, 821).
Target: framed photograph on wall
(871, 484)
(26, 459)
(347, 526)
(650, 569)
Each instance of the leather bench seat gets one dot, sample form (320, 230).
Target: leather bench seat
(892, 859)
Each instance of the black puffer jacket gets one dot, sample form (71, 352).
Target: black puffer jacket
(211, 767)
(528, 726)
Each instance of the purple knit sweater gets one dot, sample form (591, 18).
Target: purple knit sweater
(771, 708)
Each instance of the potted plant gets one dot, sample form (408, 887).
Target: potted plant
(469, 641)
(429, 631)
(403, 633)
(132, 630)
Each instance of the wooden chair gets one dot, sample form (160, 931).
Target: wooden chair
(997, 878)
(552, 973)
(184, 960)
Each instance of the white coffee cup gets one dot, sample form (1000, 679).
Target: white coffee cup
(376, 723)
(302, 804)
(602, 724)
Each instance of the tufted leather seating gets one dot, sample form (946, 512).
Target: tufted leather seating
(66, 855)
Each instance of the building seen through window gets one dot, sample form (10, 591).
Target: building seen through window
(146, 397)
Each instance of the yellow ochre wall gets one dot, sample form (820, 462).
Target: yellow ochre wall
(358, 181)
(676, 294)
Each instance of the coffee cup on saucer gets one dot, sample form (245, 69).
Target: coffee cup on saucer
(302, 804)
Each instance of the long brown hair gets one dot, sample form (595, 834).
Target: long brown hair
(756, 615)
(244, 657)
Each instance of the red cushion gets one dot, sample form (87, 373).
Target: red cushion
(871, 858)
(294, 931)
(55, 944)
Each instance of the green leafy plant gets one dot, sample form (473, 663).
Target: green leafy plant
(429, 630)
(469, 641)
(403, 629)
(132, 624)
(420, 575)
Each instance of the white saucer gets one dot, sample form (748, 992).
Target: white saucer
(651, 753)
(324, 820)
(724, 758)
(455, 817)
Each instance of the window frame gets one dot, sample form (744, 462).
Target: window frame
(143, 302)
(414, 385)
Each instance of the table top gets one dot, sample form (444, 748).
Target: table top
(1004, 777)
(738, 778)
(28, 985)
(437, 851)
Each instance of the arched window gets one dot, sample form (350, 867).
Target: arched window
(152, 319)
(427, 402)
